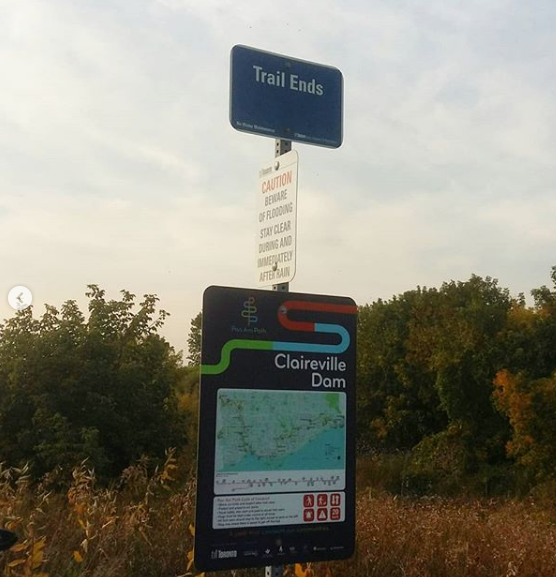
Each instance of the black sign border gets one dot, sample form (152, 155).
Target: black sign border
(269, 537)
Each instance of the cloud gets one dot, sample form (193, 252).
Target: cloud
(392, 245)
(57, 244)
(118, 165)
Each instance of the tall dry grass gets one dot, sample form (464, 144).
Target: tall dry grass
(445, 538)
(138, 527)
(142, 527)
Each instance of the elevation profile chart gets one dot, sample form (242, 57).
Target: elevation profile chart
(301, 448)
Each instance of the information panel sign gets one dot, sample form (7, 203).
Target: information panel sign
(276, 473)
(277, 220)
(282, 97)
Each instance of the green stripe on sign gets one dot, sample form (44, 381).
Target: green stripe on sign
(227, 351)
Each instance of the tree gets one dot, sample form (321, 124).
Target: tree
(101, 388)
(426, 362)
(194, 340)
(525, 391)
(397, 403)
(530, 405)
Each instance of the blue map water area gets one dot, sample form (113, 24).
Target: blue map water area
(327, 451)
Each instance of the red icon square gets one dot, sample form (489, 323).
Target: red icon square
(335, 514)
(308, 515)
(322, 514)
(322, 500)
(308, 500)
(335, 499)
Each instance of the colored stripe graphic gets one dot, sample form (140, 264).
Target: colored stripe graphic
(227, 351)
(285, 346)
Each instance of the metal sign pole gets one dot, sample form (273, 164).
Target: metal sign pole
(274, 571)
(282, 146)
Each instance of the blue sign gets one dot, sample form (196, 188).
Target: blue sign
(281, 97)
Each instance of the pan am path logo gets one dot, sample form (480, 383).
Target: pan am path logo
(286, 346)
(249, 311)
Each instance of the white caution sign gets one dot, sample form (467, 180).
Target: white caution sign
(277, 220)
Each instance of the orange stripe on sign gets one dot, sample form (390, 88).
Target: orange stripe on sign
(309, 306)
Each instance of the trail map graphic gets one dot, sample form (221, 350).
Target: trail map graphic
(279, 441)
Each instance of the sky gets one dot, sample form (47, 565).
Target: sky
(119, 167)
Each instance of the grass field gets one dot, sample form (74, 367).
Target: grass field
(142, 527)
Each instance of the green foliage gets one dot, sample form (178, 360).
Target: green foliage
(397, 403)
(525, 391)
(383, 472)
(427, 358)
(194, 340)
(456, 388)
(530, 405)
(427, 362)
(101, 388)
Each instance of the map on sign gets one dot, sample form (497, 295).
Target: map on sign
(279, 441)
